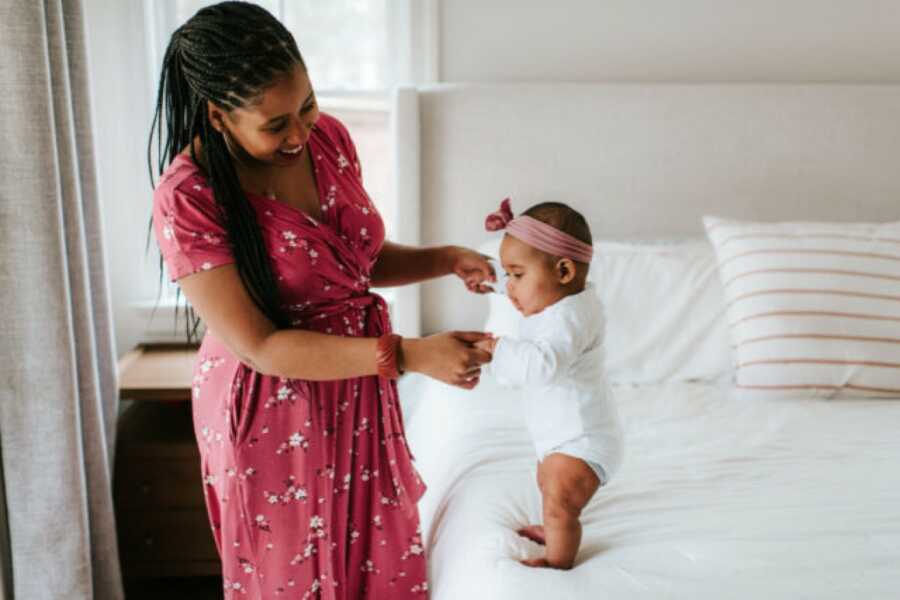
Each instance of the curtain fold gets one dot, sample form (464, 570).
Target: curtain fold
(57, 362)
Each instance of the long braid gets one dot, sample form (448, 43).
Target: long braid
(228, 54)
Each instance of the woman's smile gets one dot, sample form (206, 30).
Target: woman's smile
(291, 155)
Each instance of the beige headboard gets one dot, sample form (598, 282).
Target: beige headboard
(638, 160)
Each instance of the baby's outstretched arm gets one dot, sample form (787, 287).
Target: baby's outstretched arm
(549, 348)
(531, 362)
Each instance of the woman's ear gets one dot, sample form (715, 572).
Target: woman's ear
(565, 270)
(216, 116)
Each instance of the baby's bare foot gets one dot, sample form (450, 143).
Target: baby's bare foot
(535, 533)
(539, 563)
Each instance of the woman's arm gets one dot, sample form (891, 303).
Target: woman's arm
(402, 265)
(223, 304)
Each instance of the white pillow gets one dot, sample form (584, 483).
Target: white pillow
(664, 311)
(814, 308)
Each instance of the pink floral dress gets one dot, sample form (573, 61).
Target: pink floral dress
(310, 486)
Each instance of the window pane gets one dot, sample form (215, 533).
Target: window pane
(342, 41)
(345, 46)
(185, 9)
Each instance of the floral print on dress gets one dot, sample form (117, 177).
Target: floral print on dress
(342, 162)
(292, 493)
(330, 197)
(309, 485)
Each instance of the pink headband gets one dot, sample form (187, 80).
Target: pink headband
(539, 235)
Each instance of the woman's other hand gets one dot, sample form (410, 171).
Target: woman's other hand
(472, 267)
(450, 357)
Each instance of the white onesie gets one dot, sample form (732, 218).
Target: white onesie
(558, 360)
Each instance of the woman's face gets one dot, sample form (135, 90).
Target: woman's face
(275, 127)
(533, 283)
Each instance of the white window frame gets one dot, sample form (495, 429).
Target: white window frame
(413, 43)
(414, 51)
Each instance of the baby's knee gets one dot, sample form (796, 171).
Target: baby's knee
(563, 500)
(568, 483)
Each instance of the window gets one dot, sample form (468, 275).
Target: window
(356, 52)
(346, 45)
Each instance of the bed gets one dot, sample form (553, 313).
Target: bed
(717, 498)
(722, 494)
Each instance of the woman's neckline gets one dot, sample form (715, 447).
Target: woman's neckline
(273, 200)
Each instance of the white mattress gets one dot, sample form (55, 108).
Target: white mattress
(718, 497)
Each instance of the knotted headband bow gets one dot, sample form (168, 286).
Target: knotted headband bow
(538, 234)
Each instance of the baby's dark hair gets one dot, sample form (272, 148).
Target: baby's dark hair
(562, 217)
(568, 220)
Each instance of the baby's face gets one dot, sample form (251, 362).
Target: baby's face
(533, 283)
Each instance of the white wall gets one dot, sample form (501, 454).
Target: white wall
(670, 40)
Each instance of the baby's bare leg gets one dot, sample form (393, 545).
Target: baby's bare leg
(568, 484)
(535, 533)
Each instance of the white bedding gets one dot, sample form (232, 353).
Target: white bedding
(718, 497)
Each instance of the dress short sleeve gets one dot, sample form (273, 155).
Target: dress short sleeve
(189, 228)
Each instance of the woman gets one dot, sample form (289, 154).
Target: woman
(261, 216)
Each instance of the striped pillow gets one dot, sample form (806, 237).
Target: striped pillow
(812, 308)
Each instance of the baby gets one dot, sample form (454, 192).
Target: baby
(558, 359)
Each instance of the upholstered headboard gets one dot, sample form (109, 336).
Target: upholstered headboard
(638, 160)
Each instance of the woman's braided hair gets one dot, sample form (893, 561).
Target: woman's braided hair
(228, 54)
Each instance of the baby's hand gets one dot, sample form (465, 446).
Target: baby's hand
(487, 345)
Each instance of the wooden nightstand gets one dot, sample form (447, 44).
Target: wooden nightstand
(157, 485)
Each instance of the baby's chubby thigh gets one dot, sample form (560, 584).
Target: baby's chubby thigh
(567, 484)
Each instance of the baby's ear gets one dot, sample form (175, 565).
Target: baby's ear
(565, 270)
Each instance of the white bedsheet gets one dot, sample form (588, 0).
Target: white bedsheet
(718, 497)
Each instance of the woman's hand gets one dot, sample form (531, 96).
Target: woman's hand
(450, 357)
(473, 268)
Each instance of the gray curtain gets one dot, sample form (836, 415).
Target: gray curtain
(57, 371)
